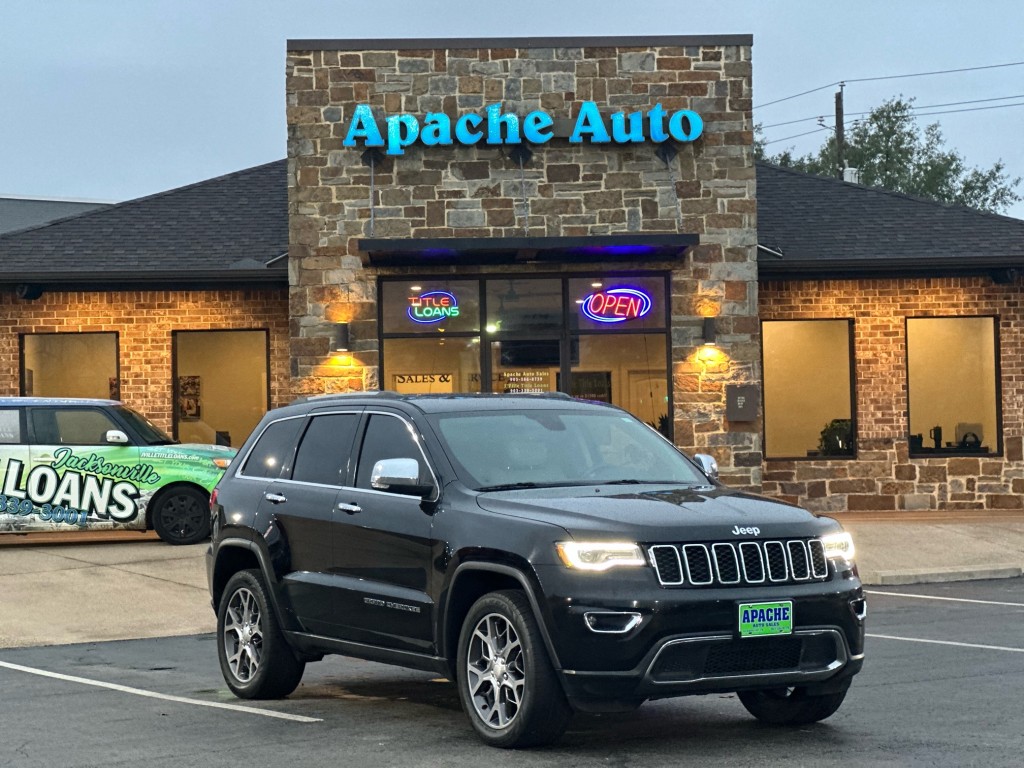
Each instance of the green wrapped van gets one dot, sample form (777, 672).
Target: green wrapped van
(76, 464)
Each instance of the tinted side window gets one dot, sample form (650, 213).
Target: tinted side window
(10, 426)
(70, 426)
(324, 451)
(273, 449)
(387, 437)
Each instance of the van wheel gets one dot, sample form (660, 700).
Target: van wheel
(254, 658)
(790, 706)
(506, 682)
(182, 516)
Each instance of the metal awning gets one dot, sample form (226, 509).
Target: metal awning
(511, 250)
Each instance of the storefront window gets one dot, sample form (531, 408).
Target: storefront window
(220, 385)
(612, 304)
(70, 365)
(629, 371)
(808, 391)
(523, 366)
(430, 306)
(608, 342)
(432, 365)
(953, 390)
(524, 306)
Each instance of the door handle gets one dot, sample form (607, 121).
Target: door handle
(352, 509)
(275, 498)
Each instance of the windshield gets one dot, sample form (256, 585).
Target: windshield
(150, 433)
(494, 450)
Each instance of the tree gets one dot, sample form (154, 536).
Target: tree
(892, 152)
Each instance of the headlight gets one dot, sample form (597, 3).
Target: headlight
(839, 545)
(599, 555)
(221, 463)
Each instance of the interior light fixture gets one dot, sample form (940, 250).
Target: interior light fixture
(341, 337)
(709, 332)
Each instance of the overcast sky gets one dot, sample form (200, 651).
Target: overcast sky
(115, 99)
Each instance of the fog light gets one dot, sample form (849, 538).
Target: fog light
(859, 608)
(611, 622)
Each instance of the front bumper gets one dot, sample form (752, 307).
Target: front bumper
(679, 641)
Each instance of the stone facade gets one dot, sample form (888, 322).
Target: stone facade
(565, 190)
(882, 476)
(144, 321)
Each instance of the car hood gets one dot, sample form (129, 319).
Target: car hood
(655, 512)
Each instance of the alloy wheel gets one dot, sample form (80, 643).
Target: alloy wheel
(243, 635)
(496, 671)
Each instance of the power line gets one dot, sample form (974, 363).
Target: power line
(927, 106)
(797, 136)
(890, 77)
(920, 114)
(976, 109)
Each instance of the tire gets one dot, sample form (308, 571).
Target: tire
(507, 686)
(182, 516)
(254, 657)
(790, 706)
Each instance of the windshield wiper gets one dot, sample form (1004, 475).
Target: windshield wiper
(646, 482)
(517, 486)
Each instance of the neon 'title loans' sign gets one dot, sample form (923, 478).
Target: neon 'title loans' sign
(433, 307)
(499, 128)
(616, 305)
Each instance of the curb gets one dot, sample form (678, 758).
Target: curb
(930, 576)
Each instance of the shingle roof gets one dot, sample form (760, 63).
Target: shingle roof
(24, 212)
(229, 228)
(827, 226)
(224, 229)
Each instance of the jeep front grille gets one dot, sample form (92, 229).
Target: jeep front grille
(727, 563)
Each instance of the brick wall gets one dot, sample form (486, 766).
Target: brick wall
(883, 477)
(570, 190)
(144, 321)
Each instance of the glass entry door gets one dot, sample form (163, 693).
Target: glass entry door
(598, 337)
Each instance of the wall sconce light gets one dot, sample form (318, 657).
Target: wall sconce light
(341, 337)
(709, 332)
(666, 151)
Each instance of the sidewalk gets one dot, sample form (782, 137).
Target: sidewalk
(915, 548)
(86, 587)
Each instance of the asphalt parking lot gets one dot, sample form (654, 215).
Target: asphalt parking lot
(940, 687)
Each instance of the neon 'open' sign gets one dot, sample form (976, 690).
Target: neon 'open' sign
(616, 305)
(433, 307)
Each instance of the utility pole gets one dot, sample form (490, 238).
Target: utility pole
(840, 140)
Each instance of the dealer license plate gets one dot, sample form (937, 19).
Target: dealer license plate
(758, 619)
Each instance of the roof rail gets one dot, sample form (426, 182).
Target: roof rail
(384, 394)
(387, 394)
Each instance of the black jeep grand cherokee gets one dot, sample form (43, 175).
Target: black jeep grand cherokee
(547, 554)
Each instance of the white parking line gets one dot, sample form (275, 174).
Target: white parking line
(936, 597)
(948, 642)
(162, 696)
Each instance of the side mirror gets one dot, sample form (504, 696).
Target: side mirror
(707, 464)
(399, 476)
(115, 437)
